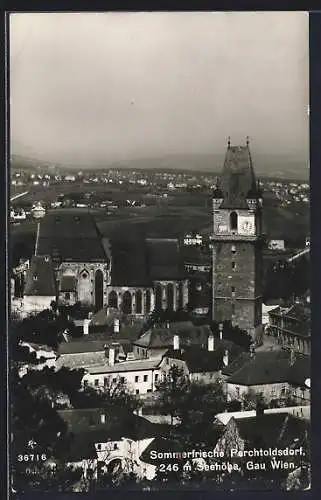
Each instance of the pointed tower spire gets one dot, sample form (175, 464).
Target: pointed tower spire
(228, 142)
(247, 141)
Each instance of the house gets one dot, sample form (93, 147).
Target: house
(273, 374)
(105, 442)
(201, 363)
(157, 340)
(81, 353)
(266, 309)
(292, 326)
(243, 438)
(140, 376)
(40, 288)
(276, 245)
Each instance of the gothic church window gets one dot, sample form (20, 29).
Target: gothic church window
(233, 221)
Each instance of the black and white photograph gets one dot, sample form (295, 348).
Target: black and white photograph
(159, 309)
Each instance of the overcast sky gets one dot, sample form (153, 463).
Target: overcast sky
(116, 86)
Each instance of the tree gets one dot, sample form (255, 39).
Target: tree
(197, 409)
(43, 328)
(45, 477)
(112, 395)
(171, 391)
(64, 380)
(233, 334)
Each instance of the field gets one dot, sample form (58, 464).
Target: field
(172, 216)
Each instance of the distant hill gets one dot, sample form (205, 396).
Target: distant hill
(198, 163)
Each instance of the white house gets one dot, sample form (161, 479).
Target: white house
(140, 376)
(276, 245)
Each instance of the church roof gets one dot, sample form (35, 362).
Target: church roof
(139, 262)
(40, 277)
(238, 179)
(70, 235)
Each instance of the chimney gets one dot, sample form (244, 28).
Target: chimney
(116, 325)
(176, 342)
(102, 418)
(210, 342)
(111, 358)
(225, 358)
(86, 326)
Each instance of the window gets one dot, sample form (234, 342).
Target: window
(122, 379)
(105, 381)
(233, 249)
(233, 289)
(84, 276)
(149, 390)
(145, 378)
(98, 446)
(237, 391)
(137, 391)
(114, 380)
(233, 308)
(85, 383)
(233, 264)
(115, 446)
(35, 277)
(156, 377)
(233, 221)
(136, 378)
(96, 382)
(67, 296)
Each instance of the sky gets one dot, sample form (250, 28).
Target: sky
(105, 87)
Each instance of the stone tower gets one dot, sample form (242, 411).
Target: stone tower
(237, 243)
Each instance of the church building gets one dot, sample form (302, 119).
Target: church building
(237, 265)
(134, 276)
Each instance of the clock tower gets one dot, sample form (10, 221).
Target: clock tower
(237, 243)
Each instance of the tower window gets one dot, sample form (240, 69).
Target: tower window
(233, 264)
(233, 308)
(233, 221)
(233, 289)
(233, 249)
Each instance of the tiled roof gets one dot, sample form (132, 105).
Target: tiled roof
(71, 235)
(129, 265)
(87, 429)
(267, 368)
(81, 346)
(164, 259)
(238, 179)
(68, 284)
(81, 360)
(163, 337)
(126, 366)
(40, 277)
(200, 359)
(271, 429)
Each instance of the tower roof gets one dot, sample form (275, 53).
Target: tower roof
(238, 178)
